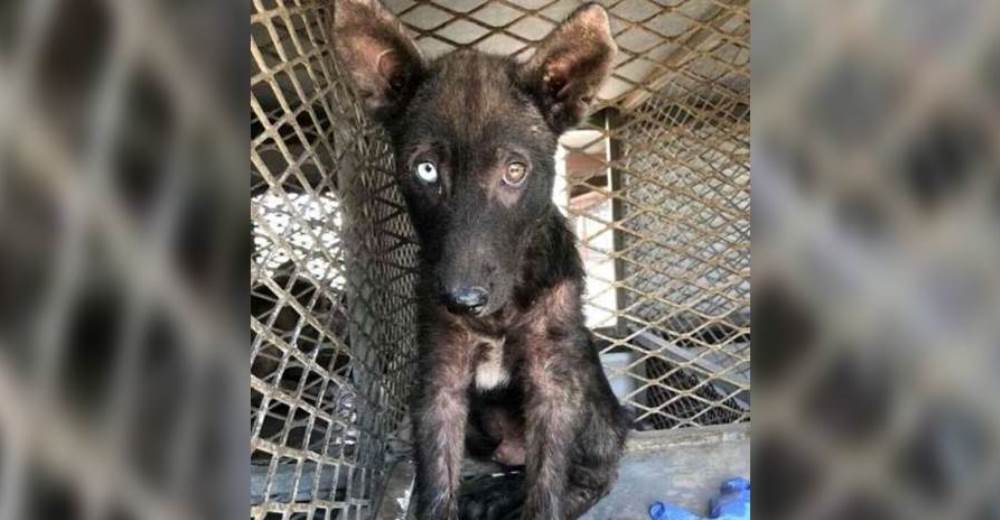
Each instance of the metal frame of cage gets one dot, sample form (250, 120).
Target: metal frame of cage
(656, 185)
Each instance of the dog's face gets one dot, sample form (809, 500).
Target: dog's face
(474, 138)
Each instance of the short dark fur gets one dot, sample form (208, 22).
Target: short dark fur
(520, 375)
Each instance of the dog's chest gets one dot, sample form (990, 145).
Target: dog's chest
(489, 370)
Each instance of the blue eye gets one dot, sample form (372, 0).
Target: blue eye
(427, 172)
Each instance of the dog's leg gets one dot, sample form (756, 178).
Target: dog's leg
(588, 486)
(592, 480)
(599, 447)
(552, 414)
(439, 417)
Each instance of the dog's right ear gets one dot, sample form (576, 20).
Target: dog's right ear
(570, 65)
(373, 48)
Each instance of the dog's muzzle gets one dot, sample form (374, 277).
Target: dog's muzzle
(467, 300)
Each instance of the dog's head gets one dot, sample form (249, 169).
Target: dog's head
(474, 137)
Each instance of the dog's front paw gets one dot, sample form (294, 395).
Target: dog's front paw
(492, 498)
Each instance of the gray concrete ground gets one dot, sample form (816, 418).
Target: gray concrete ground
(684, 467)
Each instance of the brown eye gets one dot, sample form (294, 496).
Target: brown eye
(515, 174)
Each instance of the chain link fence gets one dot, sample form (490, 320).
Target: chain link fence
(656, 185)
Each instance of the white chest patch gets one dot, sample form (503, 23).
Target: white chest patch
(490, 372)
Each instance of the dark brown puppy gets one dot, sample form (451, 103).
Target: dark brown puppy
(502, 333)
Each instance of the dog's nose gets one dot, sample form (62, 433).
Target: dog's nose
(470, 300)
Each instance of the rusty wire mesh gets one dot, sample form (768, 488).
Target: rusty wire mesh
(656, 185)
(877, 211)
(120, 355)
(332, 331)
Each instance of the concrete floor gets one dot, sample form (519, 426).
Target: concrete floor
(684, 467)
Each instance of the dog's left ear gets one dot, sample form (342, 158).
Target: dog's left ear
(569, 66)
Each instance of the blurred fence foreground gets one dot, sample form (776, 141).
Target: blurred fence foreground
(876, 225)
(122, 276)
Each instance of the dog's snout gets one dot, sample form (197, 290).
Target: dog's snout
(471, 300)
